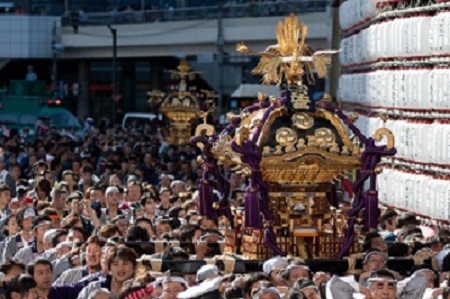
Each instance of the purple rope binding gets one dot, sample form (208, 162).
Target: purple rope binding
(370, 157)
(206, 194)
(257, 194)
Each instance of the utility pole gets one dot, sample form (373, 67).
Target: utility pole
(114, 73)
(220, 54)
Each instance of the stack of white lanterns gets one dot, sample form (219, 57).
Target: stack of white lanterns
(421, 193)
(414, 88)
(356, 11)
(420, 141)
(413, 37)
(399, 66)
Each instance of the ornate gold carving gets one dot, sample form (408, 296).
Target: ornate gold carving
(210, 97)
(303, 121)
(337, 123)
(242, 134)
(290, 57)
(286, 137)
(301, 144)
(278, 150)
(311, 141)
(334, 148)
(225, 154)
(181, 106)
(204, 128)
(299, 97)
(386, 133)
(345, 150)
(324, 137)
(266, 151)
(231, 116)
(155, 96)
(267, 125)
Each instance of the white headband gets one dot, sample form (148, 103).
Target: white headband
(381, 279)
(176, 279)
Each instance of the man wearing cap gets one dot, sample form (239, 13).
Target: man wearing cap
(25, 218)
(273, 268)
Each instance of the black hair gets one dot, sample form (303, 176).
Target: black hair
(173, 212)
(175, 253)
(216, 221)
(5, 231)
(20, 216)
(80, 230)
(368, 240)
(9, 264)
(187, 232)
(398, 249)
(255, 277)
(20, 284)
(39, 219)
(59, 233)
(406, 220)
(33, 264)
(233, 293)
(446, 263)
(137, 234)
(143, 219)
(175, 223)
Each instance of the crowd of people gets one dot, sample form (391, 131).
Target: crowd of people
(84, 220)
